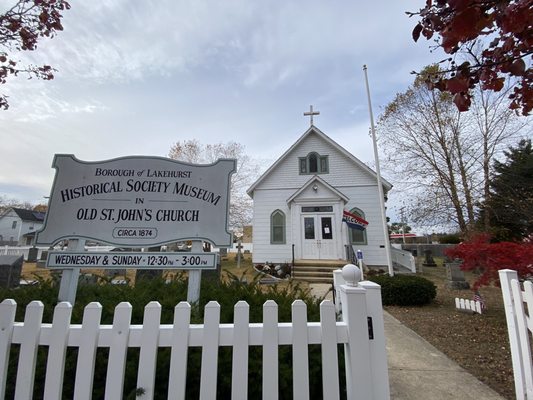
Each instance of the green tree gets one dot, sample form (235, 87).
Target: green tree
(510, 205)
(21, 26)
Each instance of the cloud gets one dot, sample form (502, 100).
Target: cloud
(135, 76)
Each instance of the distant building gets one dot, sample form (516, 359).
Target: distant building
(18, 226)
(299, 203)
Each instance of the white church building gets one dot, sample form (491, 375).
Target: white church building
(298, 205)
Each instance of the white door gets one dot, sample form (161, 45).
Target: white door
(318, 237)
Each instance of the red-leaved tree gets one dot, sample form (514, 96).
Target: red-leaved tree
(20, 28)
(503, 30)
(478, 254)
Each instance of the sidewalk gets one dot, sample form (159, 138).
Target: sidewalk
(419, 371)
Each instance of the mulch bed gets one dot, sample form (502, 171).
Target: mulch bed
(479, 343)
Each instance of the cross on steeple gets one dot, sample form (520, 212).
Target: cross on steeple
(311, 113)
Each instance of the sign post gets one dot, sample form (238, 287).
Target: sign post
(195, 277)
(360, 262)
(69, 277)
(136, 202)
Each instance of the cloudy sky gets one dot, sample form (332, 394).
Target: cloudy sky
(136, 76)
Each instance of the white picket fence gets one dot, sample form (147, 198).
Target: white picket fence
(468, 305)
(365, 357)
(19, 251)
(520, 327)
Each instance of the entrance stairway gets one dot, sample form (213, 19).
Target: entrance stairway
(316, 271)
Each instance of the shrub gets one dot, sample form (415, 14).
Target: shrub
(405, 290)
(450, 239)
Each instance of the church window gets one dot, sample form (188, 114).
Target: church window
(277, 227)
(303, 166)
(14, 225)
(357, 236)
(314, 163)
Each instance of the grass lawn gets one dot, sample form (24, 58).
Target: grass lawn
(479, 343)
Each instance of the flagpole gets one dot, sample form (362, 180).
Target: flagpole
(378, 173)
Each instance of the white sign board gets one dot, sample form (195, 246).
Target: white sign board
(138, 201)
(136, 260)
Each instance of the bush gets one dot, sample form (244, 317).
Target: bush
(450, 239)
(405, 290)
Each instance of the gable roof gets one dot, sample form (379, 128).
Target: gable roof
(313, 180)
(326, 138)
(29, 215)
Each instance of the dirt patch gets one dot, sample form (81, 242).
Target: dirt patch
(479, 343)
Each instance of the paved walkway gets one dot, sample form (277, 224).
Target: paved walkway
(418, 371)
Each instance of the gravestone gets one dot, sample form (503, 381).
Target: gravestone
(455, 278)
(10, 270)
(32, 254)
(428, 259)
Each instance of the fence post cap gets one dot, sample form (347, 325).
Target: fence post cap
(351, 274)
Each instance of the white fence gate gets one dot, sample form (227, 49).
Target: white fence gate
(403, 258)
(520, 327)
(360, 330)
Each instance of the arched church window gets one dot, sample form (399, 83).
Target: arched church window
(277, 227)
(313, 163)
(357, 236)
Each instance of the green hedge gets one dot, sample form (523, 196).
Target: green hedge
(169, 294)
(405, 290)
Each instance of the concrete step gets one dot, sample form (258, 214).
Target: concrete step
(314, 269)
(314, 273)
(320, 263)
(313, 279)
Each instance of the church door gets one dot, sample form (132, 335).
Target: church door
(318, 237)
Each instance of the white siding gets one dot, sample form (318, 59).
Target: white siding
(265, 202)
(367, 200)
(23, 227)
(342, 170)
(6, 223)
(283, 181)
